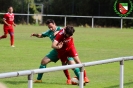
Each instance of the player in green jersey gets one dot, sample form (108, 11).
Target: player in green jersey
(52, 55)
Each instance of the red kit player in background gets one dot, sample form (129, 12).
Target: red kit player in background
(8, 25)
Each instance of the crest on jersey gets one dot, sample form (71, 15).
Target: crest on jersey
(123, 8)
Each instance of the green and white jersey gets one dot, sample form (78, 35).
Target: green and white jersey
(50, 33)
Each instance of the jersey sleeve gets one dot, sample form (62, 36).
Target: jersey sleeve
(5, 16)
(45, 34)
(59, 28)
(58, 37)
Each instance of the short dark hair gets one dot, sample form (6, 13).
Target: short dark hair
(50, 21)
(69, 30)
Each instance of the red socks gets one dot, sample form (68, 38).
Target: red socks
(67, 74)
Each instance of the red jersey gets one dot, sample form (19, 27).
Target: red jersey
(67, 42)
(68, 49)
(9, 18)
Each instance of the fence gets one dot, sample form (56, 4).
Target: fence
(35, 71)
(66, 16)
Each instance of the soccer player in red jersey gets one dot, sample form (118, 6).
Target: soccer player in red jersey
(8, 25)
(64, 45)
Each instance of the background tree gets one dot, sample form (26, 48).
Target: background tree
(68, 7)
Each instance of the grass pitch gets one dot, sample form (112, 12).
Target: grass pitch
(92, 45)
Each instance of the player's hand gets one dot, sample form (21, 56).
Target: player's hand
(14, 25)
(60, 45)
(31, 35)
(9, 24)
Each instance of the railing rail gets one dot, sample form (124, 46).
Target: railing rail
(36, 71)
(91, 17)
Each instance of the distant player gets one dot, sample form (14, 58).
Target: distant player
(8, 26)
(52, 55)
(64, 45)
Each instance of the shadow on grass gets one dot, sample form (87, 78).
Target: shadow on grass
(16, 82)
(53, 83)
(117, 86)
(23, 82)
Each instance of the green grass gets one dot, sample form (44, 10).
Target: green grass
(92, 45)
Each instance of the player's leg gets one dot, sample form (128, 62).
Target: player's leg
(85, 77)
(52, 56)
(48, 58)
(3, 36)
(73, 53)
(66, 72)
(76, 58)
(11, 32)
(43, 64)
(5, 33)
(76, 70)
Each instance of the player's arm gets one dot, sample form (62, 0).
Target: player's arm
(4, 20)
(56, 44)
(14, 24)
(37, 35)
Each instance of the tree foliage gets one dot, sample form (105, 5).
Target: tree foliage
(69, 7)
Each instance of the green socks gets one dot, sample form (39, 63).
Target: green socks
(40, 74)
(77, 72)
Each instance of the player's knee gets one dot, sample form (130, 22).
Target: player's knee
(45, 61)
(5, 36)
(71, 62)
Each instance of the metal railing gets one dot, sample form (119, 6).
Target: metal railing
(36, 71)
(90, 17)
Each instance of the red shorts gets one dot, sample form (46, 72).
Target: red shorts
(64, 54)
(8, 29)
